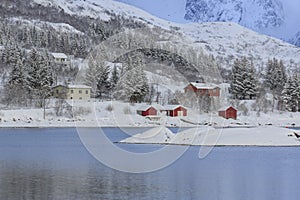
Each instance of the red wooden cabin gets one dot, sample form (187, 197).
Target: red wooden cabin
(147, 110)
(203, 89)
(228, 112)
(175, 111)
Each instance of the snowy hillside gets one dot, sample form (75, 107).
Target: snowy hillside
(229, 40)
(102, 9)
(61, 27)
(224, 40)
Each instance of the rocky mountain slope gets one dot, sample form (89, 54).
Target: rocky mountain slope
(271, 17)
(296, 40)
(255, 14)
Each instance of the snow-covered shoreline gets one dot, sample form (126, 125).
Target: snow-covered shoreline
(207, 136)
(267, 129)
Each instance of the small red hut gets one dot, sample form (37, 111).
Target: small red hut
(146, 110)
(175, 110)
(228, 112)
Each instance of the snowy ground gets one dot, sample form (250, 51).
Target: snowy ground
(86, 114)
(205, 129)
(114, 113)
(208, 136)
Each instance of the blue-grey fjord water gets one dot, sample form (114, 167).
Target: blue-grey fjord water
(53, 164)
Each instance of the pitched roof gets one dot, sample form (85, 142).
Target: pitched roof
(73, 86)
(225, 108)
(173, 107)
(59, 55)
(145, 107)
(79, 87)
(59, 85)
(158, 106)
(204, 85)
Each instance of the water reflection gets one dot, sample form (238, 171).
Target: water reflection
(52, 164)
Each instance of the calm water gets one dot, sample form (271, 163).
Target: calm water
(53, 164)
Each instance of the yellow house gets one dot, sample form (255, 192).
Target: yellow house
(76, 92)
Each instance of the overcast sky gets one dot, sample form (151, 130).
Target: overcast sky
(174, 10)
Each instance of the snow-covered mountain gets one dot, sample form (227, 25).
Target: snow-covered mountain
(272, 17)
(276, 18)
(225, 40)
(102, 9)
(255, 14)
(296, 40)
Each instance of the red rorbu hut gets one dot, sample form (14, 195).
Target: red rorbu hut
(146, 110)
(175, 111)
(203, 89)
(228, 112)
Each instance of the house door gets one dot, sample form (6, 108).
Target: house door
(180, 113)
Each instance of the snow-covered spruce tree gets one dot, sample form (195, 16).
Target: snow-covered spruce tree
(141, 87)
(291, 94)
(133, 85)
(103, 84)
(250, 81)
(114, 78)
(12, 53)
(39, 78)
(275, 76)
(97, 76)
(33, 76)
(275, 79)
(15, 91)
(243, 82)
(296, 92)
(236, 85)
(91, 75)
(289, 102)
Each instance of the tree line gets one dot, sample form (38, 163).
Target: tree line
(247, 83)
(126, 82)
(30, 78)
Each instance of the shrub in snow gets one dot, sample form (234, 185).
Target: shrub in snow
(77, 111)
(127, 110)
(258, 113)
(109, 108)
(62, 108)
(243, 108)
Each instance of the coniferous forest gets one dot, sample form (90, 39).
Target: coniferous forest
(28, 71)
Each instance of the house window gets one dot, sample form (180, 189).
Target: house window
(72, 91)
(71, 97)
(86, 92)
(80, 91)
(80, 98)
(57, 91)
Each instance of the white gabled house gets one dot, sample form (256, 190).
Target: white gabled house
(60, 58)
